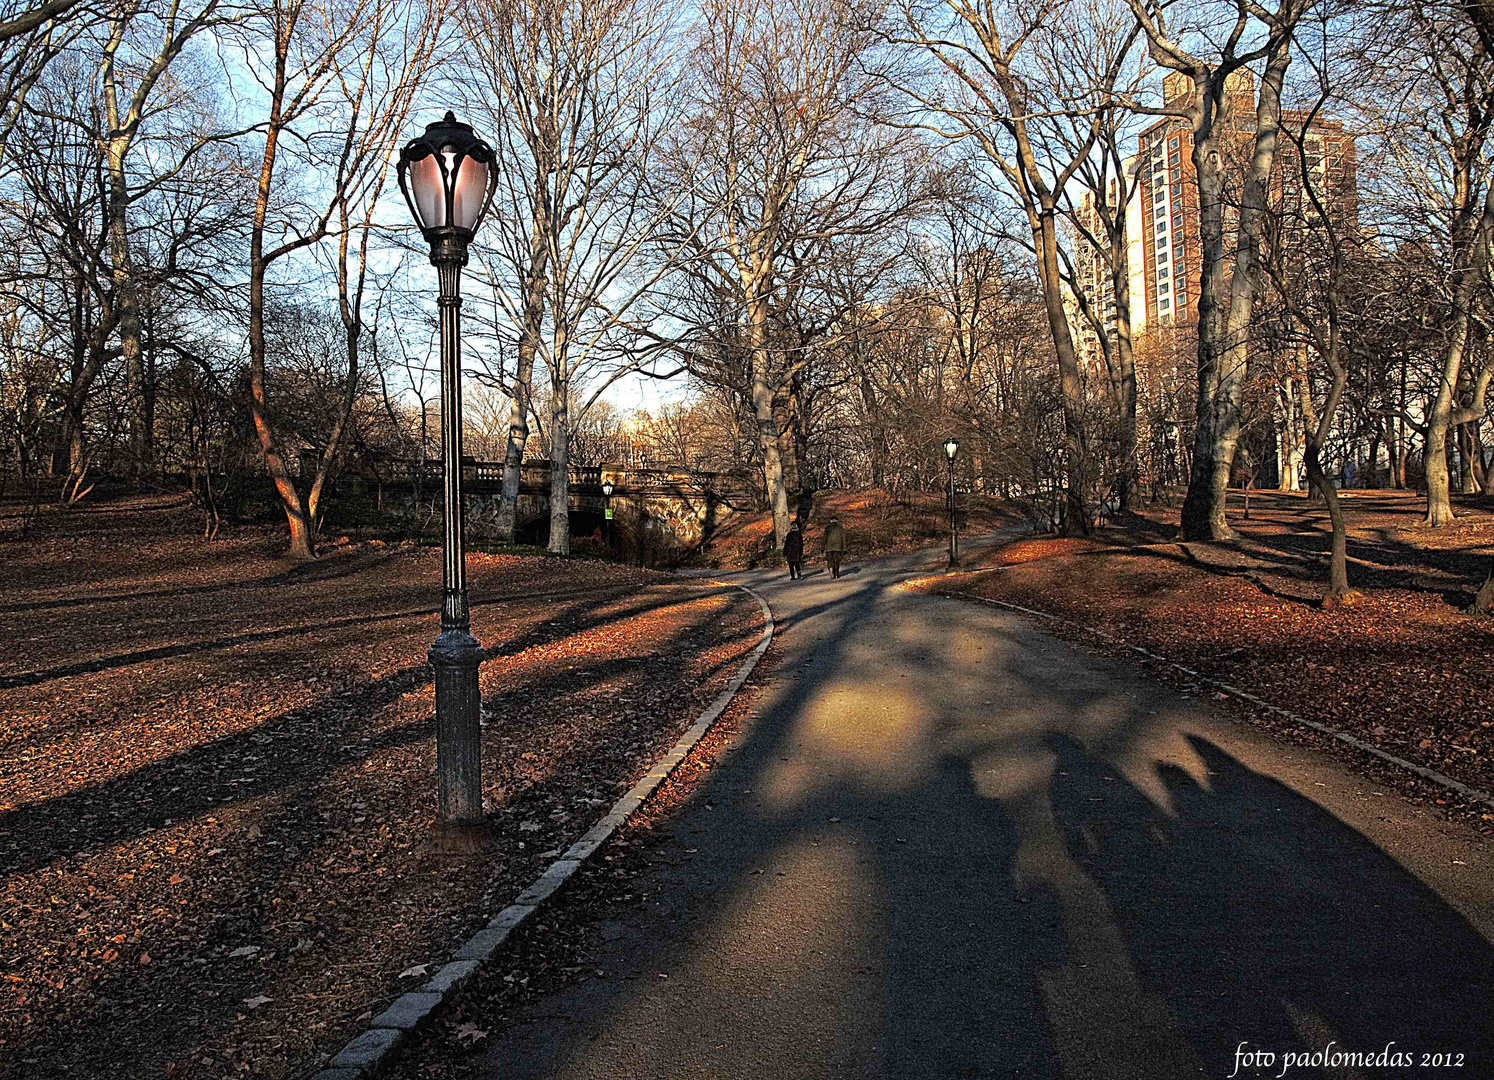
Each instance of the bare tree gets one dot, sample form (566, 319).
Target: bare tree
(789, 144)
(1431, 117)
(141, 46)
(1213, 106)
(57, 263)
(958, 259)
(33, 36)
(321, 65)
(577, 99)
(1310, 244)
(527, 89)
(1102, 221)
(1030, 86)
(26, 20)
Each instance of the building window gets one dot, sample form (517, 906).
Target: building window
(1174, 143)
(1314, 154)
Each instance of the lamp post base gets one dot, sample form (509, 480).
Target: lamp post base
(455, 656)
(462, 837)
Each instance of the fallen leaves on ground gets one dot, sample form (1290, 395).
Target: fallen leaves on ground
(225, 767)
(1402, 667)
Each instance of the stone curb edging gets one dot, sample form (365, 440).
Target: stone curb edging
(1460, 788)
(369, 1052)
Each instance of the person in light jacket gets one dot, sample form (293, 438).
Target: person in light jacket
(835, 544)
(793, 551)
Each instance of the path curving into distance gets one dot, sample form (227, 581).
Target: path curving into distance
(952, 845)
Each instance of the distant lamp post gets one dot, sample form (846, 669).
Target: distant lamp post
(448, 178)
(951, 448)
(607, 509)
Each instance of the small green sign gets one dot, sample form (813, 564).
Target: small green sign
(609, 513)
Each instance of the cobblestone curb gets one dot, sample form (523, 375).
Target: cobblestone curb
(1471, 793)
(365, 1055)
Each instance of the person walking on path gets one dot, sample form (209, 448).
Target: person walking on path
(835, 544)
(793, 551)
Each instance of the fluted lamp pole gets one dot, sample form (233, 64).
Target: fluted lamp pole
(951, 448)
(448, 178)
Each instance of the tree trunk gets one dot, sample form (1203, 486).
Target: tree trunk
(1394, 448)
(1126, 365)
(560, 461)
(1223, 335)
(67, 452)
(1338, 563)
(783, 421)
(1124, 374)
(77, 395)
(1202, 519)
(1480, 459)
(1290, 439)
(518, 418)
(767, 433)
(798, 425)
(1483, 602)
(297, 519)
(1467, 477)
(122, 274)
(1441, 418)
(876, 433)
(767, 422)
(1076, 515)
(1434, 458)
(513, 453)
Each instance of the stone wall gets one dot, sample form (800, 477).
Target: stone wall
(658, 514)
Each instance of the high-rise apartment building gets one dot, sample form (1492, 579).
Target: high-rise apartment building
(1093, 273)
(1162, 221)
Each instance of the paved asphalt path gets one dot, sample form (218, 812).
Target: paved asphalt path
(951, 845)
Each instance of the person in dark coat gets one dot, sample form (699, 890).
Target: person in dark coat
(793, 551)
(835, 544)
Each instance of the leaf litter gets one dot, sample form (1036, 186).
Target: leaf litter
(205, 750)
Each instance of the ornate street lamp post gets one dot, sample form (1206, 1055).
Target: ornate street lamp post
(447, 177)
(951, 448)
(607, 510)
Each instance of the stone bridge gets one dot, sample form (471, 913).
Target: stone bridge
(661, 508)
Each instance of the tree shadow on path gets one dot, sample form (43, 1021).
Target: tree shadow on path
(1264, 919)
(949, 886)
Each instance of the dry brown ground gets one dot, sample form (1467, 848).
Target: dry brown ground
(216, 776)
(1403, 668)
(876, 523)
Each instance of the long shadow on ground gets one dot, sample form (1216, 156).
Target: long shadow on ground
(1070, 923)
